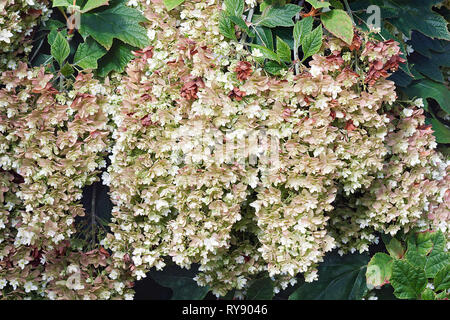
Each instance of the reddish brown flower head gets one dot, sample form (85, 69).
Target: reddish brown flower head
(236, 94)
(190, 88)
(243, 70)
(349, 126)
(145, 53)
(378, 70)
(356, 42)
(147, 121)
(333, 114)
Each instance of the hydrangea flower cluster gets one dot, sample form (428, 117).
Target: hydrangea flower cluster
(18, 18)
(213, 162)
(51, 145)
(185, 198)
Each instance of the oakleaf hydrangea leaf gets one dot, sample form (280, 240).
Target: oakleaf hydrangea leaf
(283, 50)
(442, 279)
(88, 53)
(226, 26)
(181, 281)
(301, 29)
(408, 280)
(116, 59)
(395, 248)
(312, 42)
(260, 289)
(340, 278)
(278, 16)
(59, 48)
(116, 22)
(234, 7)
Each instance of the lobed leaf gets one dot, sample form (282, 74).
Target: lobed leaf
(340, 278)
(301, 29)
(278, 16)
(260, 289)
(59, 48)
(181, 281)
(116, 59)
(116, 22)
(312, 43)
(283, 50)
(88, 53)
(408, 280)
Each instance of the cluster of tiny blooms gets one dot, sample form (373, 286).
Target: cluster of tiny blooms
(51, 145)
(340, 136)
(18, 19)
(348, 161)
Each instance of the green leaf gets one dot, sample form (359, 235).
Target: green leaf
(283, 50)
(318, 4)
(52, 24)
(442, 279)
(379, 270)
(278, 16)
(431, 66)
(181, 281)
(395, 248)
(428, 294)
(441, 131)
(42, 60)
(430, 89)
(442, 296)
(266, 37)
(59, 48)
(116, 59)
(53, 33)
(285, 33)
(234, 7)
(340, 278)
(339, 23)
(417, 15)
(266, 52)
(312, 43)
(172, 4)
(241, 24)
(408, 280)
(400, 78)
(263, 6)
(336, 4)
(414, 257)
(62, 3)
(424, 242)
(301, 29)
(116, 22)
(425, 45)
(438, 258)
(226, 26)
(92, 4)
(260, 289)
(88, 53)
(67, 70)
(273, 67)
